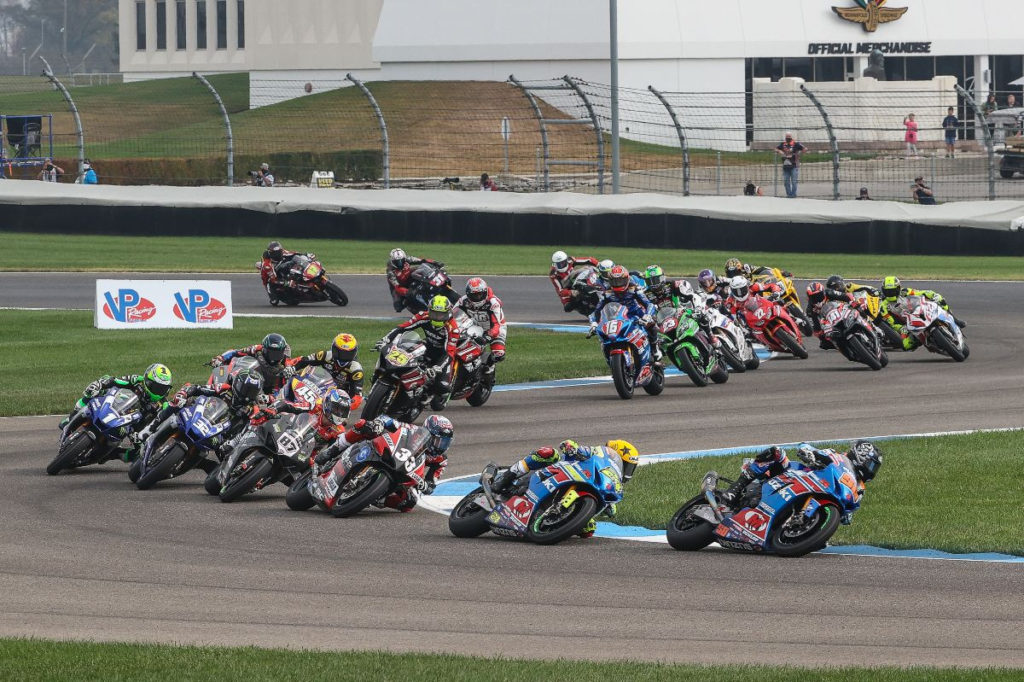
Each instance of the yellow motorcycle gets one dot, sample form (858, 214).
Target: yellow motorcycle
(874, 308)
(790, 299)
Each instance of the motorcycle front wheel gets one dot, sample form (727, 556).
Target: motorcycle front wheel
(374, 486)
(246, 482)
(732, 358)
(567, 522)
(621, 378)
(76, 445)
(298, 496)
(697, 376)
(787, 341)
(807, 537)
(335, 295)
(863, 355)
(944, 342)
(468, 519)
(688, 533)
(376, 402)
(168, 457)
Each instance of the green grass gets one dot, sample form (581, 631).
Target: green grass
(953, 493)
(60, 352)
(28, 251)
(32, 659)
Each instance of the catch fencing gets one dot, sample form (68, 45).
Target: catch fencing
(528, 135)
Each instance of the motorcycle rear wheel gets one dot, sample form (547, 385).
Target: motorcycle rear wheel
(374, 488)
(620, 377)
(212, 485)
(468, 520)
(944, 342)
(135, 470)
(892, 338)
(825, 521)
(791, 344)
(335, 295)
(863, 355)
(247, 481)
(174, 453)
(657, 383)
(76, 445)
(481, 394)
(755, 361)
(583, 509)
(298, 496)
(686, 533)
(697, 376)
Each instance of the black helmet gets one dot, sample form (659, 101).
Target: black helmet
(866, 459)
(836, 283)
(275, 349)
(246, 388)
(274, 251)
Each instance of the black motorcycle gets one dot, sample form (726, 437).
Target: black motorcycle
(400, 381)
(428, 280)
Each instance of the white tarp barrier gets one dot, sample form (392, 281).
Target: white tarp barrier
(163, 304)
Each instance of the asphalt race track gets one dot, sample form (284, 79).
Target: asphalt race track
(86, 555)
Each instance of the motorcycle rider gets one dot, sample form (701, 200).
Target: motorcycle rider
(717, 288)
(331, 414)
(571, 451)
(152, 387)
(663, 292)
(835, 289)
(271, 355)
(399, 273)
(277, 262)
(740, 290)
(894, 307)
(340, 361)
(480, 304)
(735, 267)
(604, 271)
(442, 337)
(441, 434)
(562, 268)
(621, 291)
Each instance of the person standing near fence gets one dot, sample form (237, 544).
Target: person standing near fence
(950, 124)
(922, 193)
(88, 174)
(50, 172)
(910, 137)
(790, 150)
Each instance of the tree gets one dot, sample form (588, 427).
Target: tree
(90, 34)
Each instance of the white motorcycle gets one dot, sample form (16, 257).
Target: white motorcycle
(935, 329)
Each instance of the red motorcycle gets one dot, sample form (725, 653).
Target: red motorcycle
(305, 281)
(773, 326)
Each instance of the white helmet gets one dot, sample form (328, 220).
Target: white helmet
(397, 257)
(604, 268)
(685, 289)
(560, 261)
(739, 287)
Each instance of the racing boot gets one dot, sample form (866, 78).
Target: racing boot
(503, 480)
(732, 495)
(588, 530)
(403, 501)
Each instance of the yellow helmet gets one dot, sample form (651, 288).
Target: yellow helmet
(344, 349)
(629, 454)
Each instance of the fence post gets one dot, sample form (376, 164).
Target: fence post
(227, 126)
(571, 82)
(833, 142)
(48, 73)
(683, 144)
(543, 129)
(384, 144)
(718, 172)
(987, 136)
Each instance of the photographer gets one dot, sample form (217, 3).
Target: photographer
(50, 171)
(263, 177)
(922, 193)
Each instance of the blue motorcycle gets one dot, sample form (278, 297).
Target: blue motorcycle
(790, 515)
(627, 351)
(183, 440)
(545, 506)
(95, 433)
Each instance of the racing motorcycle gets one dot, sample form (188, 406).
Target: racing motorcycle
(584, 288)
(772, 326)
(871, 306)
(628, 352)
(545, 506)
(789, 297)
(935, 329)
(306, 387)
(734, 344)
(225, 373)
(365, 473)
(428, 280)
(790, 515)
(305, 281)
(472, 377)
(95, 433)
(689, 347)
(852, 334)
(400, 384)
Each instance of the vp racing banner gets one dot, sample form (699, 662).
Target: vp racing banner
(162, 304)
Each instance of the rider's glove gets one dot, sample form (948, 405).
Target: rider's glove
(93, 388)
(380, 344)
(592, 330)
(287, 371)
(178, 399)
(647, 320)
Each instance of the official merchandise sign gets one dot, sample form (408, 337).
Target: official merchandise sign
(163, 304)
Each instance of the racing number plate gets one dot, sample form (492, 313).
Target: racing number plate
(397, 357)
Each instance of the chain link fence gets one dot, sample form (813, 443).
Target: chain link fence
(549, 135)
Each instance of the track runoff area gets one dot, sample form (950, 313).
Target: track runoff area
(88, 556)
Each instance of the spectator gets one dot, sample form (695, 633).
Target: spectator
(910, 137)
(987, 109)
(863, 196)
(263, 177)
(950, 125)
(922, 193)
(1011, 102)
(752, 190)
(486, 184)
(790, 150)
(88, 174)
(51, 171)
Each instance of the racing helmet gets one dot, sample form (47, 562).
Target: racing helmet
(891, 288)
(604, 268)
(815, 292)
(245, 388)
(570, 449)
(397, 257)
(866, 459)
(835, 282)
(440, 310)
(343, 350)
(274, 251)
(706, 280)
(335, 407)
(684, 289)
(441, 433)
(739, 288)
(654, 275)
(275, 349)
(619, 279)
(628, 453)
(733, 267)
(477, 292)
(560, 261)
(157, 381)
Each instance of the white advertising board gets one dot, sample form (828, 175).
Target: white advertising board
(163, 304)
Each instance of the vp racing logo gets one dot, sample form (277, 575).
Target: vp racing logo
(198, 307)
(128, 306)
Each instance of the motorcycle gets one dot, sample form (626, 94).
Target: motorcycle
(585, 289)
(95, 433)
(268, 451)
(688, 346)
(935, 329)
(305, 388)
(472, 377)
(305, 282)
(428, 280)
(225, 373)
(790, 515)
(773, 327)
(734, 343)
(400, 383)
(852, 334)
(789, 297)
(365, 473)
(545, 506)
(628, 352)
(871, 306)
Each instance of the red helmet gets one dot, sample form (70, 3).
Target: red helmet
(814, 289)
(477, 291)
(618, 279)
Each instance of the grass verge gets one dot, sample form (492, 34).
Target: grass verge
(59, 352)
(952, 493)
(44, 252)
(32, 659)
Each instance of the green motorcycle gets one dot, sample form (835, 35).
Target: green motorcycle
(689, 347)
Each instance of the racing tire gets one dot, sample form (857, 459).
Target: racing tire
(298, 497)
(698, 377)
(374, 405)
(468, 520)
(481, 394)
(732, 359)
(211, 485)
(657, 383)
(801, 319)
(719, 374)
(826, 520)
(620, 377)
(791, 344)
(755, 360)
(890, 336)
(883, 359)
(247, 482)
(686, 533)
(71, 450)
(335, 295)
(582, 511)
(369, 493)
(863, 355)
(174, 453)
(135, 470)
(942, 340)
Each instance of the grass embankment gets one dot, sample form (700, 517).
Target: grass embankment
(29, 251)
(53, 355)
(29, 659)
(953, 493)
